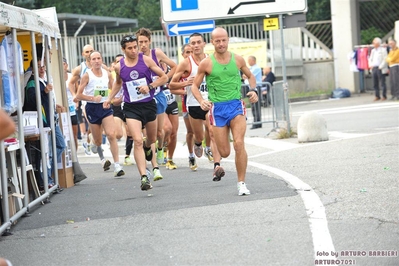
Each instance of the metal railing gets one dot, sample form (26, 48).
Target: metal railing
(271, 106)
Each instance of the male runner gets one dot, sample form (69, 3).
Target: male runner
(119, 116)
(198, 117)
(144, 41)
(222, 73)
(93, 89)
(134, 73)
(77, 74)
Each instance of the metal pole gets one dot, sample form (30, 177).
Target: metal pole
(284, 71)
(43, 147)
(66, 47)
(273, 65)
(21, 135)
(52, 110)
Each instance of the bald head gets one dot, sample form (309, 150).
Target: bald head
(220, 40)
(266, 70)
(87, 50)
(219, 32)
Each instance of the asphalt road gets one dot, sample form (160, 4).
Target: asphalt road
(306, 201)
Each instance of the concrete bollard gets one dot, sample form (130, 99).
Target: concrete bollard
(312, 127)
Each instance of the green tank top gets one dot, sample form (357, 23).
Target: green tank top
(224, 82)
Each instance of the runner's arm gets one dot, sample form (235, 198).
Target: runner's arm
(74, 79)
(7, 125)
(203, 66)
(116, 86)
(164, 59)
(175, 84)
(162, 77)
(253, 92)
(79, 95)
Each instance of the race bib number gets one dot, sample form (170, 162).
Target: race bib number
(170, 98)
(103, 92)
(134, 90)
(71, 105)
(204, 91)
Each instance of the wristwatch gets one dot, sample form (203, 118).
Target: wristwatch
(255, 90)
(150, 87)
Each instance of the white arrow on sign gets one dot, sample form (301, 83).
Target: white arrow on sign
(176, 29)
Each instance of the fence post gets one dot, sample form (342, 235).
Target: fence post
(284, 71)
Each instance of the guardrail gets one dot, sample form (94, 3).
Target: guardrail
(271, 106)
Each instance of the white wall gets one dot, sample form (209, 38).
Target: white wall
(344, 16)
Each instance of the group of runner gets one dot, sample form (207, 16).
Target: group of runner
(143, 97)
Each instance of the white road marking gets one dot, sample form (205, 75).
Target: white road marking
(350, 109)
(315, 210)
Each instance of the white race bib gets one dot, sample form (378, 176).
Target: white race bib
(134, 90)
(170, 98)
(204, 91)
(100, 90)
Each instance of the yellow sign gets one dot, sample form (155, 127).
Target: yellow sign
(245, 49)
(270, 24)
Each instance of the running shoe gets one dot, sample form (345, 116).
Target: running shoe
(149, 173)
(171, 165)
(86, 146)
(128, 161)
(218, 173)
(192, 163)
(242, 189)
(106, 164)
(159, 156)
(208, 153)
(145, 183)
(119, 171)
(148, 153)
(198, 150)
(157, 175)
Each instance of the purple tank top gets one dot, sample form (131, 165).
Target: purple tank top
(134, 77)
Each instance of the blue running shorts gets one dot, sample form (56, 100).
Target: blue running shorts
(222, 113)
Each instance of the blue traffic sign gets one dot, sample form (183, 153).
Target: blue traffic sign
(183, 5)
(187, 28)
(186, 39)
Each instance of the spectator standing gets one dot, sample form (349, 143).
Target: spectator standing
(393, 63)
(378, 66)
(257, 73)
(268, 76)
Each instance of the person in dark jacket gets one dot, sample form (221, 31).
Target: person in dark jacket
(268, 76)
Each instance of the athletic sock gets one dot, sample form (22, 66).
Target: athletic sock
(192, 154)
(100, 152)
(129, 145)
(198, 144)
(215, 165)
(155, 168)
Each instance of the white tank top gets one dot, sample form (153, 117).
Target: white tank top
(191, 101)
(97, 85)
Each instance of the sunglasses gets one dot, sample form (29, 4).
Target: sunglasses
(128, 39)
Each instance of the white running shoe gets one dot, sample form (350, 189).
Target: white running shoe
(86, 146)
(119, 171)
(198, 150)
(157, 175)
(242, 189)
